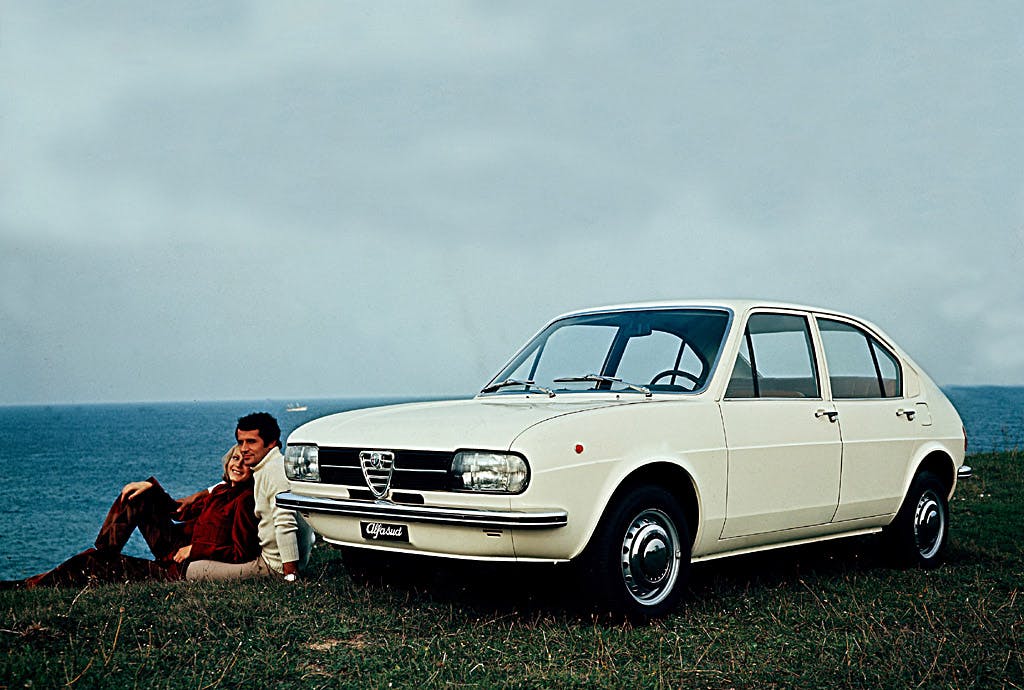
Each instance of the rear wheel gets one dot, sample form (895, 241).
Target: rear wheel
(639, 558)
(920, 531)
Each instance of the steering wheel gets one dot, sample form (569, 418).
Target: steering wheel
(676, 372)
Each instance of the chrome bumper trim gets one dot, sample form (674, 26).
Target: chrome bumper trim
(965, 472)
(386, 510)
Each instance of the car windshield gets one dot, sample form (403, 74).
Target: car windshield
(657, 350)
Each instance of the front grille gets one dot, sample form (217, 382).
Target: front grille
(414, 470)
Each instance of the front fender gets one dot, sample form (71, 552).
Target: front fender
(579, 462)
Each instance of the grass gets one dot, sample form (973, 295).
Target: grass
(830, 615)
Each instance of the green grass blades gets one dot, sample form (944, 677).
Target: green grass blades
(829, 615)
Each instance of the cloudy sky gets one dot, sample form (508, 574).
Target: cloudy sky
(296, 200)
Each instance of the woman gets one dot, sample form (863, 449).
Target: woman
(216, 525)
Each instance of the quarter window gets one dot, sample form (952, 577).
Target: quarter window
(858, 365)
(776, 359)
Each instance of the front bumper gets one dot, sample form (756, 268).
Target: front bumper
(965, 472)
(386, 510)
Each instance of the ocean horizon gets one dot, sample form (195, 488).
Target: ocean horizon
(62, 465)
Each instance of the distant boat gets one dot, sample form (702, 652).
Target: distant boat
(295, 407)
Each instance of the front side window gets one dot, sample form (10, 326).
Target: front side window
(776, 360)
(662, 350)
(858, 365)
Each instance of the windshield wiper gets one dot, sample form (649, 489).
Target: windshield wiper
(516, 382)
(598, 378)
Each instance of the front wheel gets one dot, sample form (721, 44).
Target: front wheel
(919, 533)
(639, 558)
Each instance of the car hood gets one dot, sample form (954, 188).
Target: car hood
(484, 424)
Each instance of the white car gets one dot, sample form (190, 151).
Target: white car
(637, 439)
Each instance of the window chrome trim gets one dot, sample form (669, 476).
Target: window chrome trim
(386, 510)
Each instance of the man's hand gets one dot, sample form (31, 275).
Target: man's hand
(185, 503)
(133, 489)
(182, 554)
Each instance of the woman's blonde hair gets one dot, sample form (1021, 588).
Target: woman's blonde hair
(226, 459)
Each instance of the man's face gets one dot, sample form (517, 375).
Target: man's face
(252, 446)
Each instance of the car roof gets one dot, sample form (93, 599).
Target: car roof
(738, 306)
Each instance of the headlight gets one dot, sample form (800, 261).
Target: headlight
(503, 473)
(302, 463)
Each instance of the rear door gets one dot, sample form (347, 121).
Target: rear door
(879, 426)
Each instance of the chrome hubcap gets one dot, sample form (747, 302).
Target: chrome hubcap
(929, 524)
(650, 556)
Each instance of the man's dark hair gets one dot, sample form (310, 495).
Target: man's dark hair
(264, 424)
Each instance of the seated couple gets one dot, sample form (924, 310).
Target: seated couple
(233, 530)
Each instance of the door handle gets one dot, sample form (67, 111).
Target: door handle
(832, 415)
(908, 413)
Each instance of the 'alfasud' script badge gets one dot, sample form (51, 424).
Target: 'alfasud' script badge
(381, 531)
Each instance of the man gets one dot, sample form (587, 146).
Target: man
(285, 537)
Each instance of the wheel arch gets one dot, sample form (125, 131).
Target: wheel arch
(669, 476)
(941, 464)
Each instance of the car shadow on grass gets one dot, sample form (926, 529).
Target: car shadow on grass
(528, 591)
(831, 559)
(478, 588)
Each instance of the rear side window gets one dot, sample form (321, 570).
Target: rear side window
(859, 366)
(776, 360)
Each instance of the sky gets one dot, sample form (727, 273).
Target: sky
(235, 200)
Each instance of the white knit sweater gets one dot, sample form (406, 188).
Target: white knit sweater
(284, 535)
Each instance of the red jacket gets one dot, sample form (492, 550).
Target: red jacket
(225, 529)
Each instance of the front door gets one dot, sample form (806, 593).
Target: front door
(785, 450)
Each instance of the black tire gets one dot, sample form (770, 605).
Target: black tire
(639, 558)
(919, 533)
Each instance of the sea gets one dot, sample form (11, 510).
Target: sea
(61, 466)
